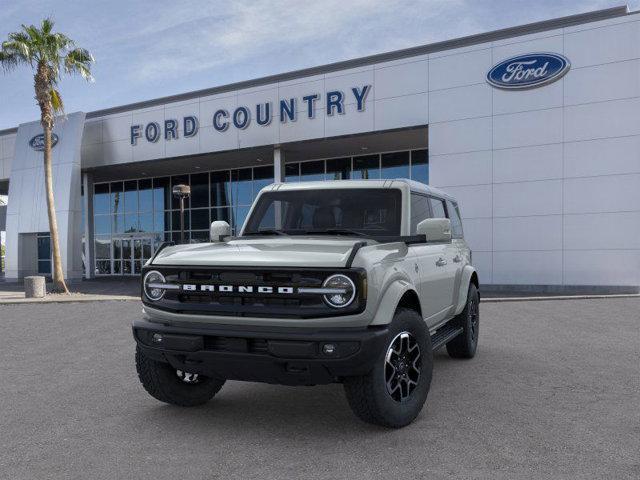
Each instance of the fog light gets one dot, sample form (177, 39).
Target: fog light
(157, 338)
(328, 348)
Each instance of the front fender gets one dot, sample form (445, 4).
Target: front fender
(389, 301)
(467, 271)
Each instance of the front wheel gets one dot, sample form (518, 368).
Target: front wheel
(173, 386)
(394, 391)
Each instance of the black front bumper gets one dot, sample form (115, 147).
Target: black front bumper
(291, 356)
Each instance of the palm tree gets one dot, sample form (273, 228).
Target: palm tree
(47, 53)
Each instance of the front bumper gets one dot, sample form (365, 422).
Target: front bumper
(287, 356)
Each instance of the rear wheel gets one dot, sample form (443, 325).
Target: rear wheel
(394, 391)
(173, 386)
(466, 344)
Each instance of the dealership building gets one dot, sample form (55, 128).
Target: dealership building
(534, 129)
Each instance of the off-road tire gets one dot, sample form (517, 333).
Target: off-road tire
(368, 396)
(466, 344)
(161, 382)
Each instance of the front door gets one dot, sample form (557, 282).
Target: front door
(129, 254)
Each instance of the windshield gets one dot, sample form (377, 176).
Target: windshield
(356, 211)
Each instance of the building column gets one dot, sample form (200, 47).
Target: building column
(87, 186)
(278, 165)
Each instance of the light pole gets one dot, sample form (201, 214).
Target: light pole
(181, 192)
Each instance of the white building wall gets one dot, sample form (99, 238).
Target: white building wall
(549, 178)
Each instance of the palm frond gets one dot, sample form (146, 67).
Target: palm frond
(56, 101)
(79, 60)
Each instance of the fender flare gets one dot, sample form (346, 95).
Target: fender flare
(389, 302)
(467, 272)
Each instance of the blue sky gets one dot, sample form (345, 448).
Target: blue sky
(145, 50)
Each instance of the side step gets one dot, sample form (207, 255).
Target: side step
(444, 335)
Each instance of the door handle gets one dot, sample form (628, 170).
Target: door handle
(441, 262)
(457, 259)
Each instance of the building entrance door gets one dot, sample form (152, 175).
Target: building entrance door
(130, 252)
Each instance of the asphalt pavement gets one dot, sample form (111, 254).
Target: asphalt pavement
(554, 392)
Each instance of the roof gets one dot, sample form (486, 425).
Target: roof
(501, 34)
(414, 186)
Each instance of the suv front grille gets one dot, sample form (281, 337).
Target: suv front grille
(272, 303)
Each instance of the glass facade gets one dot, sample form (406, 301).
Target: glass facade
(133, 217)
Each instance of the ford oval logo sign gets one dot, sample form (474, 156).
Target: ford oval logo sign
(528, 71)
(37, 142)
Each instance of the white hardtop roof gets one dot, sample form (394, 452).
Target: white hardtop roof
(412, 185)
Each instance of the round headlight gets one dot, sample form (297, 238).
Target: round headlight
(344, 291)
(150, 278)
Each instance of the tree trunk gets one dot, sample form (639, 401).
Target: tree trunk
(42, 85)
(59, 284)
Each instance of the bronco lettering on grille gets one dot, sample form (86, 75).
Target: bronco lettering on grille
(188, 287)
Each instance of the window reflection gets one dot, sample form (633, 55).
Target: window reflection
(145, 208)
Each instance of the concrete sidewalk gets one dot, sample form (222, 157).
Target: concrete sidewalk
(102, 289)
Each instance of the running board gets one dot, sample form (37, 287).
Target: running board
(444, 335)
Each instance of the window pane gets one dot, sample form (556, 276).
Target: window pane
(366, 167)
(199, 237)
(44, 247)
(262, 176)
(117, 267)
(179, 180)
(220, 189)
(102, 224)
(240, 216)
(437, 208)
(420, 166)
(310, 171)
(175, 220)
(103, 267)
(146, 222)
(200, 190)
(116, 197)
(221, 214)
(292, 172)
(419, 210)
(200, 219)
(101, 198)
(118, 223)
(44, 266)
(117, 248)
(338, 169)
(131, 196)
(395, 165)
(145, 195)
(242, 186)
(131, 222)
(102, 247)
(161, 194)
(161, 221)
(126, 267)
(456, 222)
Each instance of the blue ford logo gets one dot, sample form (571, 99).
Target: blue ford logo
(37, 142)
(528, 71)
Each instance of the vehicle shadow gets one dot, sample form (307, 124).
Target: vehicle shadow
(283, 410)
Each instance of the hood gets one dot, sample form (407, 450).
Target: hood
(262, 252)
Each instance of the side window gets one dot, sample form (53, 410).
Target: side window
(437, 207)
(456, 222)
(419, 210)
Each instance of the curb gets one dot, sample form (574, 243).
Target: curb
(557, 297)
(90, 298)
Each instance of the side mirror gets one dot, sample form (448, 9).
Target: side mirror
(219, 229)
(435, 229)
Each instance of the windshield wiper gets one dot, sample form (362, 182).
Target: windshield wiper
(336, 231)
(266, 232)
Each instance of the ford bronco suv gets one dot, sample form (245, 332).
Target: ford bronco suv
(355, 282)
